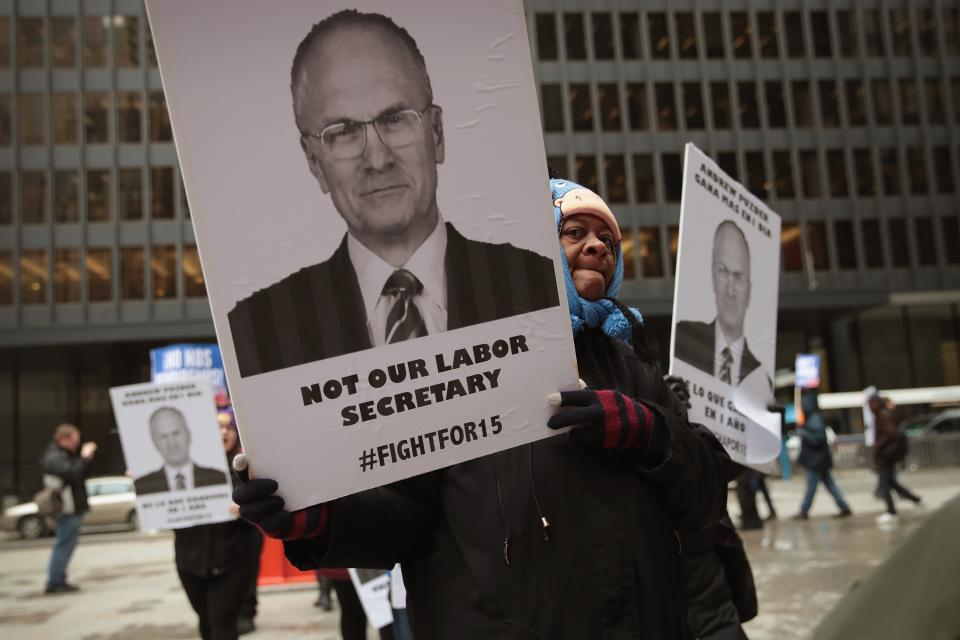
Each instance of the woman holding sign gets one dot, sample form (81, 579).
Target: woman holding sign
(575, 536)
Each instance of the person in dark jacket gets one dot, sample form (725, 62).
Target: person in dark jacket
(816, 458)
(885, 456)
(66, 465)
(572, 537)
(217, 563)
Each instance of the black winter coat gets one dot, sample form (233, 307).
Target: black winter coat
(611, 568)
(815, 452)
(70, 467)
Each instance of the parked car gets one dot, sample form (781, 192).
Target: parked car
(945, 422)
(112, 504)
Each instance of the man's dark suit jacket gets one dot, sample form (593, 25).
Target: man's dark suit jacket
(156, 481)
(695, 346)
(318, 311)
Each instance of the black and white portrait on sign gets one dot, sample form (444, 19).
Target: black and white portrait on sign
(372, 135)
(172, 439)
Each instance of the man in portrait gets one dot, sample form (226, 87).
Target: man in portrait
(373, 137)
(171, 437)
(720, 347)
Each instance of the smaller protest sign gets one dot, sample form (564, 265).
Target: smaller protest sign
(183, 361)
(173, 450)
(373, 588)
(808, 370)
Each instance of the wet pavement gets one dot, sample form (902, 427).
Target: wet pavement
(130, 589)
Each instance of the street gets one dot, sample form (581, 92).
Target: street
(130, 589)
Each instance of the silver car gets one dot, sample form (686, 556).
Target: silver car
(112, 504)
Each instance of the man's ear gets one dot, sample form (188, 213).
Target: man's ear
(437, 120)
(313, 161)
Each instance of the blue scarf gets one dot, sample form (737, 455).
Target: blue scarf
(593, 313)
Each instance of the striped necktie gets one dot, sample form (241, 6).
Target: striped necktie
(404, 320)
(725, 365)
(181, 481)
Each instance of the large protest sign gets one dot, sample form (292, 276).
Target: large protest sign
(356, 179)
(724, 339)
(173, 449)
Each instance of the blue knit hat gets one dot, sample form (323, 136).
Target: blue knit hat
(570, 198)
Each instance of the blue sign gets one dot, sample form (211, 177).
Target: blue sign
(181, 361)
(808, 370)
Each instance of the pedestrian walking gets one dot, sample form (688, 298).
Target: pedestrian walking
(66, 465)
(890, 448)
(816, 457)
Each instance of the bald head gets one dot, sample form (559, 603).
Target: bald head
(168, 428)
(731, 278)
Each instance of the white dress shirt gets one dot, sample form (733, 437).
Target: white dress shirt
(186, 471)
(736, 350)
(426, 263)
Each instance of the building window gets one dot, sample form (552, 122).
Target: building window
(917, 167)
(645, 182)
(586, 172)
(672, 176)
(793, 27)
(900, 32)
(126, 31)
(713, 34)
(99, 275)
(96, 117)
(951, 240)
(882, 102)
(951, 31)
(837, 170)
(899, 243)
(6, 119)
(790, 247)
(94, 41)
(856, 106)
(651, 254)
(872, 243)
(608, 99)
(673, 232)
(909, 102)
(64, 123)
(192, 274)
(722, 109)
(580, 109)
(98, 195)
(66, 196)
(846, 244)
(6, 198)
(129, 194)
(557, 163)
(32, 116)
(131, 273)
(728, 162)
(602, 36)
(829, 103)
(546, 24)
(630, 35)
(890, 171)
(159, 119)
(955, 89)
(33, 276)
(616, 173)
(552, 97)
(161, 193)
(637, 107)
(163, 268)
(627, 249)
(749, 114)
(6, 276)
(802, 103)
(943, 168)
(666, 106)
(926, 245)
(936, 114)
(810, 173)
(756, 174)
(927, 31)
(776, 110)
(767, 30)
(847, 33)
(820, 30)
(29, 42)
(4, 42)
(129, 108)
(33, 187)
(659, 35)
(873, 33)
(740, 34)
(63, 42)
(575, 36)
(817, 242)
(863, 166)
(151, 50)
(783, 175)
(66, 275)
(686, 35)
(693, 105)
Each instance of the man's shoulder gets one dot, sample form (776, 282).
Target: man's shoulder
(286, 286)
(150, 482)
(693, 327)
(207, 475)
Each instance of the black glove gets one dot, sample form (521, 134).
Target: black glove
(608, 419)
(261, 507)
(680, 388)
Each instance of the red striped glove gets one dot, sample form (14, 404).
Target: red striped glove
(607, 419)
(261, 507)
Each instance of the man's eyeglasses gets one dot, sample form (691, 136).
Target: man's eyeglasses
(347, 140)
